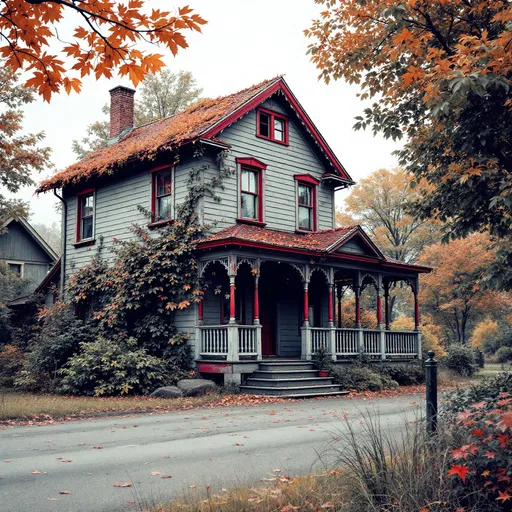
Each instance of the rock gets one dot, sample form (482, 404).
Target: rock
(196, 387)
(167, 392)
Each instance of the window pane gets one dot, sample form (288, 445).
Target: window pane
(86, 228)
(15, 267)
(249, 181)
(264, 124)
(279, 129)
(305, 217)
(164, 184)
(164, 206)
(87, 206)
(305, 195)
(249, 206)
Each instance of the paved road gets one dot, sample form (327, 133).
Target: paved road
(220, 447)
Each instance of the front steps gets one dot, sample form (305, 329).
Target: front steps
(291, 379)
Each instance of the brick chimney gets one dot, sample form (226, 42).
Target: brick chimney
(121, 110)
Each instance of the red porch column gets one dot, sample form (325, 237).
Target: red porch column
(330, 312)
(306, 304)
(386, 307)
(256, 315)
(416, 312)
(358, 307)
(232, 290)
(379, 309)
(340, 304)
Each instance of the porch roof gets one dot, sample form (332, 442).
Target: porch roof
(328, 242)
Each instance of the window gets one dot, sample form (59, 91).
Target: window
(162, 201)
(85, 217)
(251, 190)
(16, 268)
(272, 126)
(306, 202)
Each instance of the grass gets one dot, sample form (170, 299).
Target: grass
(25, 406)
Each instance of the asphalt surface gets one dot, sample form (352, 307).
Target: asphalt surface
(222, 447)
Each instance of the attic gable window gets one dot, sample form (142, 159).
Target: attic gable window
(162, 201)
(85, 216)
(272, 126)
(251, 190)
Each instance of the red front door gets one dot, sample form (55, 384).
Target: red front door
(268, 326)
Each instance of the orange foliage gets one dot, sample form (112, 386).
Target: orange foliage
(348, 316)
(105, 41)
(484, 329)
(430, 332)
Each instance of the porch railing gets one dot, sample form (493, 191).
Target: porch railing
(232, 342)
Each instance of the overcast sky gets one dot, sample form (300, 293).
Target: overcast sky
(243, 43)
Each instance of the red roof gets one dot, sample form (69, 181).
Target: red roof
(317, 243)
(204, 120)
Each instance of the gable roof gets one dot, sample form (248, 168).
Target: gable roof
(35, 235)
(202, 121)
(52, 276)
(327, 242)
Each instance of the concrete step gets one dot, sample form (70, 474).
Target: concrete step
(295, 365)
(291, 390)
(311, 395)
(284, 374)
(283, 383)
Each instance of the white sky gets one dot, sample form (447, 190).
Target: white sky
(244, 42)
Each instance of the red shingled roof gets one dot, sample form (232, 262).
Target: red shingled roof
(319, 241)
(204, 120)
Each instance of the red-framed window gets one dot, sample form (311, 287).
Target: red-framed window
(306, 202)
(272, 126)
(162, 200)
(85, 215)
(251, 189)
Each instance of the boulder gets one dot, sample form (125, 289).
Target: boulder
(167, 392)
(196, 387)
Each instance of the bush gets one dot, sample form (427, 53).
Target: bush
(501, 338)
(115, 367)
(461, 359)
(10, 363)
(404, 374)
(360, 378)
(504, 354)
(488, 389)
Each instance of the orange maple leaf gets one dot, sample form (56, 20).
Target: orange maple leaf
(460, 471)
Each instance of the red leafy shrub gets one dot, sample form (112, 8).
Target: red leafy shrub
(483, 461)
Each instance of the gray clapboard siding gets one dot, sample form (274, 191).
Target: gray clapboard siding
(19, 245)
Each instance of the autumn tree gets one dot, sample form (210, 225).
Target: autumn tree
(110, 36)
(451, 294)
(161, 95)
(20, 154)
(439, 73)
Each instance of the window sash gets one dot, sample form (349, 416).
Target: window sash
(275, 127)
(250, 194)
(86, 217)
(163, 190)
(306, 207)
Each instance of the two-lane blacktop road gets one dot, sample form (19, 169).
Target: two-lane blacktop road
(220, 447)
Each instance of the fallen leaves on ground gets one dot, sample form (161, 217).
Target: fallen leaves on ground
(64, 492)
(123, 484)
(36, 472)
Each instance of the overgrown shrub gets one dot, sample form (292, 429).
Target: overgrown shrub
(360, 378)
(10, 363)
(405, 374)
(115, 367)
(461, 359)
(501, 338)
(504, 354)
(488, 389)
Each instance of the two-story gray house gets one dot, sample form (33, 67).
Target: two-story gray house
(274, 249)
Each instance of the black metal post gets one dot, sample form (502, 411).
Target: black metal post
(431, 378)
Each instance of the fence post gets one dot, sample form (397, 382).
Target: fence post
(431, 379)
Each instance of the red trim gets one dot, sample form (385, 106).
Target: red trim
(215, 368)
(379, 309)
(281, 85)
(79, 196)
(416, 312)
(160, 223)
(366, 241)
(273, 115)
(386, 308)
(201, 309)
(251, 221)
(358, 309)
(49, 277)
(313, 206)
(307, 178)
(232, 310)
(160, 168)
(251, 162)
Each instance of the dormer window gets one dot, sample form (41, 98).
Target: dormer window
(272, 126)
(306, 202)
(163, 197)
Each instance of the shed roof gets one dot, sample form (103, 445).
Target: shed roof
(203, 120)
